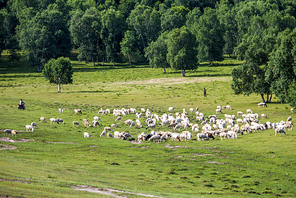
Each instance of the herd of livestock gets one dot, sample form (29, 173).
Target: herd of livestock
(179, 126)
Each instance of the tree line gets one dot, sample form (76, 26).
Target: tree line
(166, 33)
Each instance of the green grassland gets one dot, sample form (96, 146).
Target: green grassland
(57, 158)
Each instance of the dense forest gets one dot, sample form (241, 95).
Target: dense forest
(164, 33)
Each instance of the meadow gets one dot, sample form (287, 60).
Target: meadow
(56, 161)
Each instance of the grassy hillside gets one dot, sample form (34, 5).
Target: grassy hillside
(55, 159)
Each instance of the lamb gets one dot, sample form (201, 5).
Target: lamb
(14, 132)
(280, 130)
(76, 123)
(77, 111)
(29, 128)
(42, 119)
(202, 136)
(52, 120)
(60, 120)
(86, 135)
(86, 122)
(262, 104)
(34, 124)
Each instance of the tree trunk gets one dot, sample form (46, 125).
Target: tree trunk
(229, 57)
(183, 72)
(113, 63)
(262, 96)
(129, 59)
(59, 86)
(268, 99)
(164, 71)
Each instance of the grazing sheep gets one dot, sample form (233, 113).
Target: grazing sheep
(86, 135)
(108, 129)
(95, 123)
(263, 116)
(61, 110)
(228, 107)
(86, 122)
(103, 134)
(34, 124)
(29, 128)
(195, 128)
(118, 118)
(109, 135)
(60, 120)
(52, 120)
(249, 111)
(14, 132)
(224, 135)
(117, 135)
(289, 118)
(142, 137)
(159, 138)
(42, 119)
(151, 126)
(97, 118)
(171, 108)
(280, 130)
(218, 111)
(262, 104)
(175, 136)
(7, 131)
(239, 113)
(76, 123)
(77, 111)
(186, 135)
(201, 136)
(113, 125)
(232, 134)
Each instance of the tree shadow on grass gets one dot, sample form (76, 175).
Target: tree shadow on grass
(209, 75)
(95, 91)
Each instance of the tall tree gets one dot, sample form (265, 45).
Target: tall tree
(128, 46)
(281, 69)
(182, 54)
(157, 51)
(45, 36)
(113, 28)
(84, 31)
(146, 22)
(58, 71)
(210, 37)
(172, 19)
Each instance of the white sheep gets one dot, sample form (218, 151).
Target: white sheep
(159, 138)
(29, 128)
(42, 119)
(151, 125)
(109, 135)
(61, 110)
(263, 115)
(218, 111)
(175, 136)
(97, 118)
(262, 104)
(14, 132)
(34, 124)
(224, 135)
(113, 125)
(86, 122)
(201, 136)
(52, 120)
(186, 135)
(280, 130)
(95, 123)
(118, 118)
(6, 131)
(86, 135)
(76, 123)
(77, 111)
(108, 129)
(103, 134)
(171, 108)
(60, 120)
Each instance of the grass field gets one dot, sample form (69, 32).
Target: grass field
(55, 160)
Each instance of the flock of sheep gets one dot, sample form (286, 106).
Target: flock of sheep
(179, 126)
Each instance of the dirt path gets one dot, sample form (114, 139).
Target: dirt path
(108, 191)
(171, 81)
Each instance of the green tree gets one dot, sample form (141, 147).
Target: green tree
(45, 36)
(84, 30)
(113, 28)
(172, 19)
(210, 37)
(281, 69)
(58, 71)
(146, 23)
(157, 51)
(128, 46)
(182, 54)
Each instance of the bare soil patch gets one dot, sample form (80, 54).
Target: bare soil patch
(63, 142)
(108, 191)
(180, 80)
(174, 147)
(213, 162)
(6, 147)
(6, 139)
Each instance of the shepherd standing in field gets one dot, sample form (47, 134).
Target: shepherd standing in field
(205, 92)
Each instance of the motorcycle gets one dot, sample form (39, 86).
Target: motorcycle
(21, 106)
